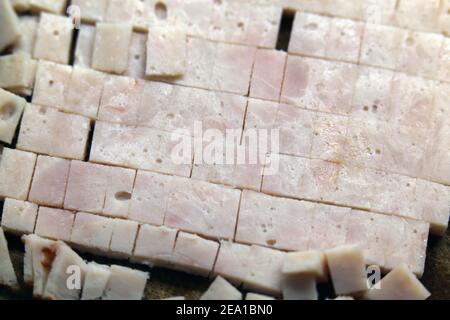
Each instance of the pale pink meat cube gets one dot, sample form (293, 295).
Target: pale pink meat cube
(431, 202)
(319, 84)
(378, 11)
(123, 238)
(443, 72)
(380, 45)
(264, 25)
(416, 234)
(149, 197)
(303, 178)
(229, 22)
(138, 147)
(193, 16)
(91, 10)
(194, 255)
(85, 46)
(118, 188)
(372, 95)
(330, 135)
(261, 114)
(412, 101)
(310, 34)
(232, 68)
(28, 26)
(418, 14)
(16, 172)
(233, 262)
(268, 74)
(19, 217)
(270, 221)
(48, 131)
(120, 100)
(120, 11)
(54, 224)
(52, 80)
(344, 40)
(91, 232)
(203, 208)
(84, 92)
(136, 56)
(49, 181)
(154, 245)
(296, 130)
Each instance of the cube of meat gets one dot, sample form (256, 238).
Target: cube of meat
(92, 233)
(28, 28)
(261, 114)
(344, 40)
(229, 22)
(49, 181)
(125, 284)
(53, 6)
(379, 11)
(123, 238)
(194, 255)
(84, 91)
(54, 224)
(91, 11)
(16, 172)
(112, 42)
(306, 263)
(319, 84)
(166, 52)
(52, 81)
(8, 276)
(232, 68)
(418, 15)
(154, 245)
(54, 38)
(347, 269)
(136, 13)
(263, 26)
(19, 217)
(300, 287)
(255, 297)
(95, 281)
(140, 148)
(309, 34)
(67, 263)
(11, 109)
(99, 189)
(330, 134)
(84, 46)
(399, 284)
(48, 131)
(444, 62)
(221, 289)
(20, 70)
(268, 74)
(380, 45)
(137, 56)
(9, 25)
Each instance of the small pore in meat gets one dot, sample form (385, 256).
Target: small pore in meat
(123, 196)
(7, 112)
(161, 10)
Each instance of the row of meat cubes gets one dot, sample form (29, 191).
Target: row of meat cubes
(192, 206)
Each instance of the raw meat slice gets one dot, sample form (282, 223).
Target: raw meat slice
(300, 287)
(19, 217)
(137, 56)
(112, 42)
(139, 148)
(11, 109)
(154, 245)
(83, 92)
(53, 6)
(19, 71)
(85, 46)
(9, 25)
(95, 281)
(221, 289)
(66, 264)
(418, 14)
(48, 131)
(16, 172)
(99, 189)
(399, 284)
(268, 74)
(52, 81)
(125, 284)
(91, 11)
(92, 233)
(347, 269)
(306, 263)
(344, 40)
(255, 297)
(7, 274)
(194, 255)
(123, 238)
(54, 223)
(54, 38)
(166, 52)
(309, 34)
(49, 181)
